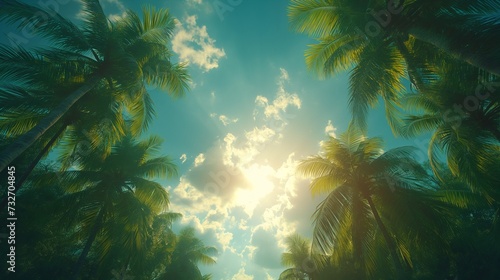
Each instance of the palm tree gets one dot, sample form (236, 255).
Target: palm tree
(114, 199)
(298, 258)
(465, 125)
(372, 194)
(378, 62)
(126, 55)
(188, 252)
(159, 249)
(301, 260)
(97, 119)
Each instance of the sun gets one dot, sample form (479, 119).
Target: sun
(260, 184)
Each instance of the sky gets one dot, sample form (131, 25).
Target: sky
(253, 112)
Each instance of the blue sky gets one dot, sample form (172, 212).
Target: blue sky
(254, 111)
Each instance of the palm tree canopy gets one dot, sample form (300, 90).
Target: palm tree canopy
(375, 41)
(127, 55)
(353, 170)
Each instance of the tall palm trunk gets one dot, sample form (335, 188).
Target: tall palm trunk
(391, 245)
(93, 234)
(15, 149)
(29, 169)
(458, 50)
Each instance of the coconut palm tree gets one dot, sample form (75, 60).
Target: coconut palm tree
(158, 250)
(464, 119)
(380, 41)
(113, 198)
(188, 252)
(306, 264)
(372, 195)
(96, 120)
(298, 258)
(127, 55)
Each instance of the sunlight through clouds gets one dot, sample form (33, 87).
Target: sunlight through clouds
(233, 194)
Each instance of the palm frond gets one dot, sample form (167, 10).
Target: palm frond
(151, 194)
(316, 18)
(46, 23)
(332, 219)
(333, 54)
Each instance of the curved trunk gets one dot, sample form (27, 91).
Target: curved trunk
(15, 149)
(93, 234)
(391, 245)
(30, 168)
(458, 50)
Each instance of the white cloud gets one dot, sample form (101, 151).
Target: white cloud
(120, 6)
(269, 277)
(241, 275)
(260, 135)
(275, 111)
(117, 3)
(183, 158)
(225, 120)
(193, 44)
(199, 159)
(330, 130)
(244, 197)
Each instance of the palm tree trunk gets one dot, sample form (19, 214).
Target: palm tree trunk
(15, 149)
(457, 50)
(93, 234)
(400, 273)
(34, 163)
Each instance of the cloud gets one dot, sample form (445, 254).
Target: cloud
(330, 130)
(244, 197)
(275, 111)
(193, 45)
(119, 5)
(225, 120)
(183, 158)
(241, 275)
(260, 135)
(267, 253)
(199, 160)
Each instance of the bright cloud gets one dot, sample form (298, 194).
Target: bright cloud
(199, 159)
(183, 158)
(240, 192)
(241, 275)
(193, 44)
(275, 111)
(330, 130)
(225, 120)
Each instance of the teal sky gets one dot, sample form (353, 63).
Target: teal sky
(254, 110)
